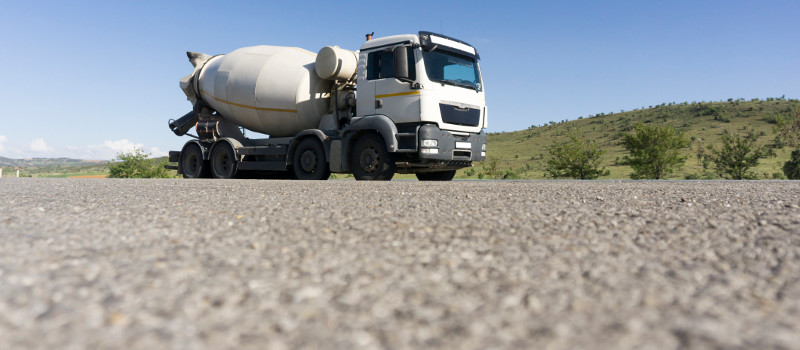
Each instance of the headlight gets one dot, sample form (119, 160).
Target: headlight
(430, 143)
(429, 150)
(483, 147)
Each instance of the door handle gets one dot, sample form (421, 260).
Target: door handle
(378, 104)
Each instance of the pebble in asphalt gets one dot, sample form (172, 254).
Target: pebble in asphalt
(403, 264)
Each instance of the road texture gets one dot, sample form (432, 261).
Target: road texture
(209, 264)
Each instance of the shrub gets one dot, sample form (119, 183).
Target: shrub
(490, 168)
(136, 164)
(737, 155)
(576, 158)
(654, 151)
(792, 167)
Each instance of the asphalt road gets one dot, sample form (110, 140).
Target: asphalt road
(209, 264)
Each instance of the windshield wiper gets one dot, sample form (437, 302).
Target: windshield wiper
(450, 82)
(468, 86)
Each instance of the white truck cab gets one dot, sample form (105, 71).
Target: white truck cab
(431, 84)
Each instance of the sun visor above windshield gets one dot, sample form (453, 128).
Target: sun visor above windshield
(430, 41)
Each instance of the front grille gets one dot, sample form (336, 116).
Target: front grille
(460, 116)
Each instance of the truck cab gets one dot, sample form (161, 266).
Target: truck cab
(430, 86)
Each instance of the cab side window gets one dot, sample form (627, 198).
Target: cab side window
(380, 64)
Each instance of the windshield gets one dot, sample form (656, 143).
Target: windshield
(452, 68)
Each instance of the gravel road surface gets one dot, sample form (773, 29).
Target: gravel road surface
(209, 264)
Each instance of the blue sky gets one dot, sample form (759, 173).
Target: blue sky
(86, 79)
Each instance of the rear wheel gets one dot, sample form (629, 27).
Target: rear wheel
(192, 164)
(308, 160)
(369, 159)
(437, 176)
(223, 160)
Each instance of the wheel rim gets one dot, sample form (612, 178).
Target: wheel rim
(223, 163)
(193, 164)
(308, 161)
(370, 159)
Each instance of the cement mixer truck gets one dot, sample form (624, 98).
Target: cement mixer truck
(401, 104)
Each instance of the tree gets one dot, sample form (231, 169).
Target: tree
(654, 151)
(738, 154)
(136, 164)
(577, 158)
(792, 167)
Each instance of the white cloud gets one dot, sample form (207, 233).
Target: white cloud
(155, 152)
(108, 150)
(122, 146)
(39, 146)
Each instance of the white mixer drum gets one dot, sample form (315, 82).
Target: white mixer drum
(268, 89)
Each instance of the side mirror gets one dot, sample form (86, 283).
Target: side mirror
(401, 63)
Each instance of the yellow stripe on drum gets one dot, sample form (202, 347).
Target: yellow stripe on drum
(398, 94)
(250, 107)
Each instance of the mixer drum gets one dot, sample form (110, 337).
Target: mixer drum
(268, 89)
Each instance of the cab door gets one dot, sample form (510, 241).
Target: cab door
(393, 98)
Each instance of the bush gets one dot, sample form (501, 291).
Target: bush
(654, 151)
(737, 155)
(136, 164)
(576, 158)
(792, 167)
(490, 168)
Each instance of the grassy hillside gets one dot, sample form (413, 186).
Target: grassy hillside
(526, 153)
(59, 167)
(52, 167)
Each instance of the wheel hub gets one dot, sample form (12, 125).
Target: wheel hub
(193, 164)
(370, 160)
(308, 161)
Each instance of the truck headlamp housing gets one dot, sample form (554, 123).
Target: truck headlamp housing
(430, 150)
(430, 143)
(483, 147)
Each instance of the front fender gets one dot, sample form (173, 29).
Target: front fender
(380, 123)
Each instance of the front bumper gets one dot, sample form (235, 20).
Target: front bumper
(450, 146)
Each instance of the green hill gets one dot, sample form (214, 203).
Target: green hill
(52, 167)
(525, 152)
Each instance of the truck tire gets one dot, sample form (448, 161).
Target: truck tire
(192, 164)
(369, 159)
(223, 160)
(308, 160)
(437, 175)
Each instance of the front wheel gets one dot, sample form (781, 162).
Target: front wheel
(308, 160)
(437, 176)
(223, 160)
(369, 159)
